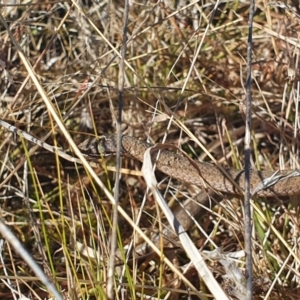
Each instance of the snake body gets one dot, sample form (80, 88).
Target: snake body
(197, 173)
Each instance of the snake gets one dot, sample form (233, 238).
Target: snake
(267, 183)
(228, 181)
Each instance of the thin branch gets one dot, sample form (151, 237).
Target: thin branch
(248, 244)
(113, 246)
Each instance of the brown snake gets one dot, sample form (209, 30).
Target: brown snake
(199, 173)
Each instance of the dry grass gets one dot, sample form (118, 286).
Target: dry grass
(57, 210)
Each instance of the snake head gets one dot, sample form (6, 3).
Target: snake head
(102, 146)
